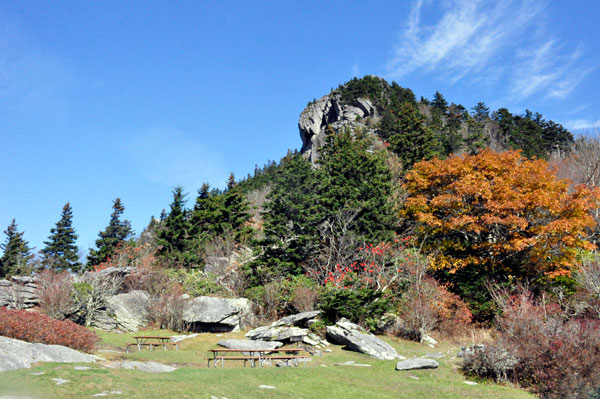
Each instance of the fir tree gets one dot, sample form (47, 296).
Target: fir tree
(173, 238)
(353, 177)
(206, 216)
(439, 102)
(17, 254)
(236, 212)
(60, 252)
(115, 233)
(481, 112)
(291, 219)
(410, 139)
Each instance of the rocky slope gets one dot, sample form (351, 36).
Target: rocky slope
(328, 114)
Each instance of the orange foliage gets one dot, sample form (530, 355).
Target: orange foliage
(500, 210)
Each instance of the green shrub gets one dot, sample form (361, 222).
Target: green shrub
(196, 283)
(362, 305)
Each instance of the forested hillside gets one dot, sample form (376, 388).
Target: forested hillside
(424, 210)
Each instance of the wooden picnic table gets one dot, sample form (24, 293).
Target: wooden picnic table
(252, 355)
(151, 341)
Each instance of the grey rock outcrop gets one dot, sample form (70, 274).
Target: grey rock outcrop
(357, 339)
(212, 314)
(129, 310)
(298, 319)
(148, 367)
(330, 112)
(417, 363)
(287, 329)
(282, 333)
(103, 321)
(18, 292)
(15, 354)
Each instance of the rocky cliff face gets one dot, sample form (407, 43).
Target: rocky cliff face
(329, 112)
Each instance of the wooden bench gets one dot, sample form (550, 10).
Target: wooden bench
(254, 355)
(151, 342)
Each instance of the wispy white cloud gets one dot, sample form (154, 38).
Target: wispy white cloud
(548, 70)
(583, 124)
(172, 157)
(489, 41)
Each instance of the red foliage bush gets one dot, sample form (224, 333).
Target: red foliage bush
(554, 356)
(38, 328)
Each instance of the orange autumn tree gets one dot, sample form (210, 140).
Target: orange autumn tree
(500, 213)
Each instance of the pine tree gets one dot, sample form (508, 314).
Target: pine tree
(236, 212)
(17, 253)
(173, 238)
(205, 220)
(410, 139)
(439, 102)
(115, 233)
(353, 177)
(60, 252)
(481, 112)
(291, 219)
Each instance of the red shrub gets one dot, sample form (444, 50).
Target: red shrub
(554, 356)
(38, 328)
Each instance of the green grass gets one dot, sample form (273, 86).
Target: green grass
(319, 379)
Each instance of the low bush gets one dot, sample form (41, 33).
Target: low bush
(54, 291)
(38, 328)
(285, 296)
(166, 301)
(554, 356)
(197, 283)
(361, 305)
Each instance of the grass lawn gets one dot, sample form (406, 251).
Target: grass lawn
(319, 379)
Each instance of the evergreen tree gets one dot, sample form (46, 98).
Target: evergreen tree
(439, 102)
(481, 112)
(291, 219)
(235, 212)
(410, 139)
(60, 252)
(353, 177)
(349, 177)
(17, 254)
(115, 233)
(173, 238)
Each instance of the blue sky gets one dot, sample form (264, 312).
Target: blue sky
(110, 99)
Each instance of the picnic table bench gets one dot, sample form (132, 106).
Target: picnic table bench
(256, 355)
(151, 342)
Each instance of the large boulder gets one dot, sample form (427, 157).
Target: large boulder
(212, 314)
(416, 364)
(298, 319)
(15, 354)
(103, 321)
(129, 310)
(283, 333)
(357, 339)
